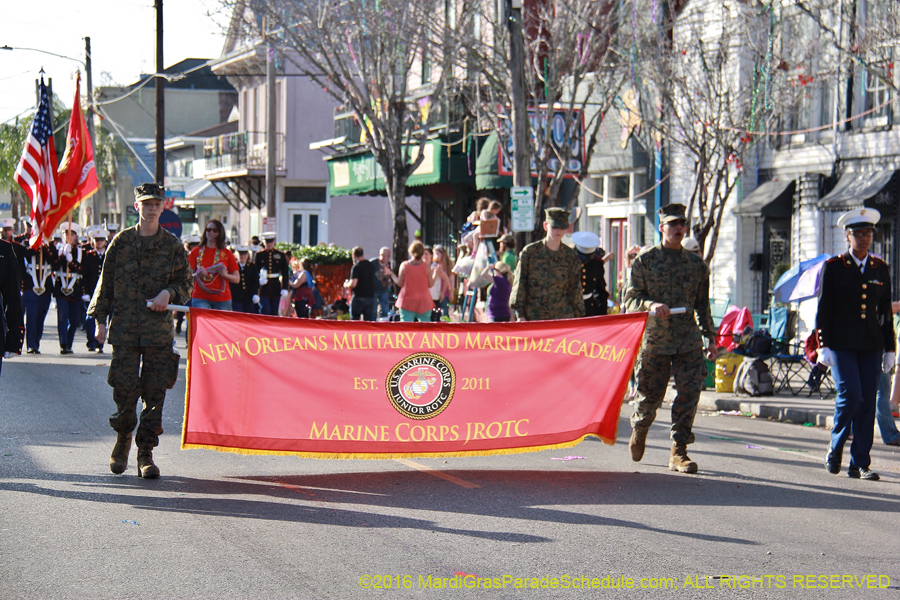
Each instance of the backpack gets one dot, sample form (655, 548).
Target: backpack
(753, 378)
(760, 343)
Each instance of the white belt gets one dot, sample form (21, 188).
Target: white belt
(273, 276)
(587, 296)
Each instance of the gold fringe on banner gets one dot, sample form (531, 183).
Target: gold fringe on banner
(393, 455)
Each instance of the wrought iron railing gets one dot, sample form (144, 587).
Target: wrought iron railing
(241, 150)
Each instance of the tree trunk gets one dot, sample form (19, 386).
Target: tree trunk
(396, 193)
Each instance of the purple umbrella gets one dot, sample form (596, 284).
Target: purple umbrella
(802, 281)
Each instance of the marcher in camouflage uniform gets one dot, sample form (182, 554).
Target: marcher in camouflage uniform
(143, 263)
(548, 275)
(664, 277)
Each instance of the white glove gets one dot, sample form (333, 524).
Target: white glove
(255, 299)
(890, 358)
(826, 357)
(86, 298)
(263, 276)
(284, 293)
(63, 248)
(68, 257)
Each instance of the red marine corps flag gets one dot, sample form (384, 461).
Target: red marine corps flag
(77, 179)
(36, 171)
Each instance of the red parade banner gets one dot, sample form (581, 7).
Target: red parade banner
(342, 389)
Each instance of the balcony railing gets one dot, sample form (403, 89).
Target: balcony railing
(241, 150)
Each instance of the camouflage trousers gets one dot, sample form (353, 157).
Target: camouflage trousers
(652, 371)
(131, 380)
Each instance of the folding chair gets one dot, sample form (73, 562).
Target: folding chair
(718, 308)
(788, 361)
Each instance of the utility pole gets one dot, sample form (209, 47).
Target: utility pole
(270, 130)
(521, 159)
(521, 164)
(89, 117)
(160, 174)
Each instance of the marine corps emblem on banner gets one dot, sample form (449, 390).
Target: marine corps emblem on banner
(421, 385)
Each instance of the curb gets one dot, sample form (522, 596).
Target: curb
(770, 411)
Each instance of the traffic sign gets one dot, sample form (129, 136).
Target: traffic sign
(521, 201)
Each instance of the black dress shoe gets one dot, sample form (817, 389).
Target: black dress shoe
(33, 351)
(66, 351)
(894, 443)
(833, 462)
(862, 474)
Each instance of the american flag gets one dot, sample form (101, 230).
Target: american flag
(36, 171)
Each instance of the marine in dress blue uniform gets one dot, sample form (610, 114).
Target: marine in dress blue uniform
(69, 287)
(245, 293)
(593, 272)
(856, 336)
(92, 265)
(274, 275)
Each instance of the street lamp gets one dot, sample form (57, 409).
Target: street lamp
(89, 89)
(6, 47)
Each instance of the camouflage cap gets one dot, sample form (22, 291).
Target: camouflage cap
(557, 217)
(149, 191)
(671, 212)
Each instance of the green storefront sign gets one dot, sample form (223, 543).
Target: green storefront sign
(361, 174)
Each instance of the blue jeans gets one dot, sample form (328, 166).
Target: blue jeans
(363, 308)
(210, 305)
(244, 307)
(36, 308)
(409, 316)
(857, 374)
(68, 320)
(384, 303)
(883, 415)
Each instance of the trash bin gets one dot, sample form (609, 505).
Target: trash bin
(726, 369)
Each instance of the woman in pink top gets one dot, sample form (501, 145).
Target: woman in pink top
(415, 280)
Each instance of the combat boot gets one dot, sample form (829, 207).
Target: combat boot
(679, 461)
(118, 462)
(636, 444)
(146, 468)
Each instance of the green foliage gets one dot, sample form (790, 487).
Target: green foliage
(319, 255)
(12, 142)
(778, 270)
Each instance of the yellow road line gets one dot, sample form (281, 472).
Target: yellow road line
(430, 471)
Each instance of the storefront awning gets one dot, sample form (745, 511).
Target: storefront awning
(361, 174)
(488, 166)
(854, 189)
(772, 198)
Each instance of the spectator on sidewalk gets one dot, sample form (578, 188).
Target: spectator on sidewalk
(214, 268)
(383, 286)
(302, 284)
(363, 305)
(415, 280)
(443, 284)
(498, 310)
(856, 339)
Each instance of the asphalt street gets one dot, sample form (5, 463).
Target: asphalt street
(762, 518)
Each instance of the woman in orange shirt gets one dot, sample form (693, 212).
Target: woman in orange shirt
(214, 267)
